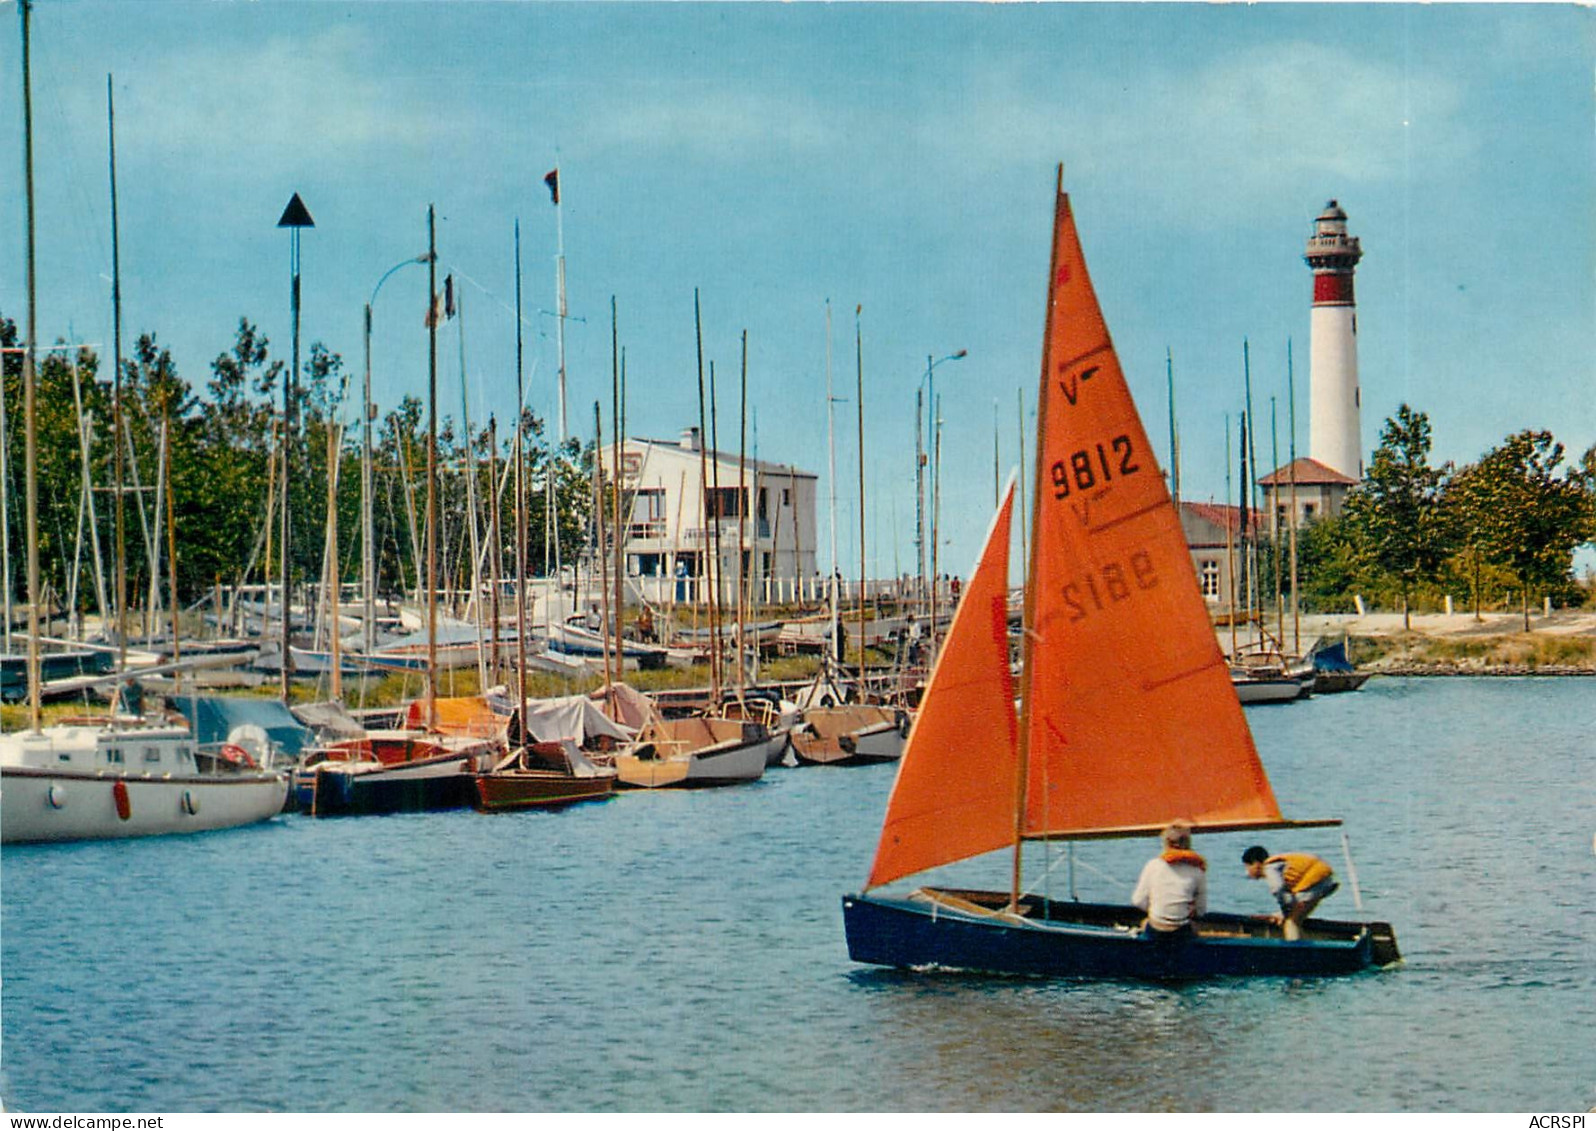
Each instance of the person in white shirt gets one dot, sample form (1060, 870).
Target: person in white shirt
(1173, 887)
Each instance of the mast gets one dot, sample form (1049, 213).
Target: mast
(1029, 614)
(1020, 396)
(703, 492)
(520, 492)
(598, 539)
(171, 539)
(334, 445)
(1250, 490)
(617, 369)
(28, 380)
(756, 556)
(1174, 434)
(432, 472)
(116, 404)
(1230, 552)
(919, 487)
(742, 522)
(1291, 389)
(834, 577)
(1249, 531)
(493, 542)
(936, 517)
(1280, 608)
(858, 347)
(368, 553)
(719, 575)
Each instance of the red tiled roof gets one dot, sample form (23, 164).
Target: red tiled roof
(1221, 515)
(1308, 473)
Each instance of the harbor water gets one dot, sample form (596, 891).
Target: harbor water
(684, 951)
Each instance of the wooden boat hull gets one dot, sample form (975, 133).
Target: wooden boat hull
(966, 930)
(730, 764)
(1331, 683)
(537, 789)
(48, 805)
(850, 736)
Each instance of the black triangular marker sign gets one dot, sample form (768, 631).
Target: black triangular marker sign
(296, 215)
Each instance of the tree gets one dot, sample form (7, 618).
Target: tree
(1398, 506)
(1520, 513)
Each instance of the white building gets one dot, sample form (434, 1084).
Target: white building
(767, 518)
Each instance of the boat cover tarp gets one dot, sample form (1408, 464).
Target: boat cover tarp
(215, 718)
(574, 717)
(1331, 657)
(330, 720)
(631, 707)
(469, 716)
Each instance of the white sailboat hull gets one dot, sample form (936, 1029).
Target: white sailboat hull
(1282, 690)
(881, 743)
(40, 805)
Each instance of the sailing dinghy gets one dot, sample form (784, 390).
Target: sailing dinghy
(1127, 717)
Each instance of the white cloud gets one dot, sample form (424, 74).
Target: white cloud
(705, 120)
(1250, 125)
(302, 94)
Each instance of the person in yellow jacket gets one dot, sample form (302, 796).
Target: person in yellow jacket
(1298, 881)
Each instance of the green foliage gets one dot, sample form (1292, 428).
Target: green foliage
(1397, 511)
(1518, 511)
(1333, 563)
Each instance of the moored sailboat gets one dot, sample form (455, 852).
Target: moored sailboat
(1127, 722)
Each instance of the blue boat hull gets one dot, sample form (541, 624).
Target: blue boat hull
(346, 795)
(1081, 940)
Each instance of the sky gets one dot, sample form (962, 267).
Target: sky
(896, 161)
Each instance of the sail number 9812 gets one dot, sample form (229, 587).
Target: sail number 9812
(1086, 468)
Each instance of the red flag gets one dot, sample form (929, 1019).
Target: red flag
(552, 179)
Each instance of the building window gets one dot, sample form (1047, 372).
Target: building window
(1210, 579)
(113, 755)
(1307, 511)
(152, 754)
(723, 502)
(648, 513)
(786, 496)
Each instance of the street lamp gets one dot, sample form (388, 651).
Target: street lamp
(294, 217)
(368, 555)
(926, 390)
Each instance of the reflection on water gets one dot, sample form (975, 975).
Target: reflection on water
(675, 951)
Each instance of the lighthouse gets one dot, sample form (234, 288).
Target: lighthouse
(1334, 437)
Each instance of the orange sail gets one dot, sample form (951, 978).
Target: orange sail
(954, 794)
(1129, 715)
